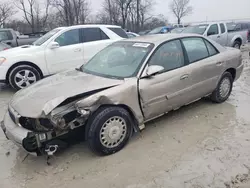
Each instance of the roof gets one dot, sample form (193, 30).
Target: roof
(159, 38)
(92, 25)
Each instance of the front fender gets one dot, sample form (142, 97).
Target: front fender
(124, 94)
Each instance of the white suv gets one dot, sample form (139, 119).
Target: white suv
(60, 49)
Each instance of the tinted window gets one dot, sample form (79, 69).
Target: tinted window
(103, 35)
(196, 49)
(69, 38)
(119, 31)
(222, 28)
(213, 30)
(211, 49)
(245, 26)
(169, 55)
(91, 34)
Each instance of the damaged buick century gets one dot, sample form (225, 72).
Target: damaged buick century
(120, 89)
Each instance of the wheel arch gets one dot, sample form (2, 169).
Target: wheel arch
(232, 71)
(23, 63)
(135, 122)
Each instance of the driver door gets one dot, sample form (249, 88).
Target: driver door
(213, 33)
(68, 55)
(166, 90)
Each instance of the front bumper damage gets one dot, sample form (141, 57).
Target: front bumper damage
(35, 143)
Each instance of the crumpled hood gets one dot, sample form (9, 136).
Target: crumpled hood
(45, 95)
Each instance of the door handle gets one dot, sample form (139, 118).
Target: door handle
(184, 77)
(77, 50)
(218, 36)
(219, 63)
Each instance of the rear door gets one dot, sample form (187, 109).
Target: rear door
(94, 41)
(166, 90)
(204, 64)
(68, 55)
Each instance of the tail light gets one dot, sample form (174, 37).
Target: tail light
(5, 48)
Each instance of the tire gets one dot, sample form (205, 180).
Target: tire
(237, 44)
(100, 126)
(220, 95)
(22, 76)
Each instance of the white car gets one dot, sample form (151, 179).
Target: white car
(60, 49)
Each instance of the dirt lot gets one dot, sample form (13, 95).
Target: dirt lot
(201, 145)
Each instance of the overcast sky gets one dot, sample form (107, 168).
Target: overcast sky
(202, 9)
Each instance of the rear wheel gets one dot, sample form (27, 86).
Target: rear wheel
(109, 130)
(224, 88)
(237, 44)
(23, 76)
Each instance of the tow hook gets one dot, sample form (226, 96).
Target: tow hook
(50, 150)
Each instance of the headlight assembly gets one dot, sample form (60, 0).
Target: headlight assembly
(2, 60)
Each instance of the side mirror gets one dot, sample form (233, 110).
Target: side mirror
(153, 70)
(54, 45)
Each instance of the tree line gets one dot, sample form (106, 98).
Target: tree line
(44, 15)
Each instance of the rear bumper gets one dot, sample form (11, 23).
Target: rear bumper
(15, 133)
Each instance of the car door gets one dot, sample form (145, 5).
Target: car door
(204, 65)
(223, 35)
(68, 55)
(94, 41)
(166, 90)
(213, 33)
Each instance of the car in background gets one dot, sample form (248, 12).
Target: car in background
(11, 38)
(122, 87)
(132, 35)
(144, 32)
(160, 30)
(239, 26)
(177, 30)
(4, 46)
(219, 32)
(60, 49)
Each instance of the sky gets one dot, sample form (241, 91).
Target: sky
(203, 10)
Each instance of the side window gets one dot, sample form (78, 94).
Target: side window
(169, 55)
(213, 30)
(238, 27)
(196, 49)
(91, 34)
(222, 28)
(4, 35)
(69, 38)
(103, 35)
(119, 31)
(211, 49)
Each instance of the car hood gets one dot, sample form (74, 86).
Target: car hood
(42, 97)
(26, 49)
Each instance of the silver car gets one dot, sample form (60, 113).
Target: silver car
(125, 85)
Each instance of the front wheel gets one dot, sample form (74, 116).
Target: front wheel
(109, 130)
(224, 88)
(23, 76)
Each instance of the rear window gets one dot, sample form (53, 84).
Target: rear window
(119, 31)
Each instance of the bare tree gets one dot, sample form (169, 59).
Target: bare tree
(33, 14)
(6, 11)
(72, 11)
(180, 9)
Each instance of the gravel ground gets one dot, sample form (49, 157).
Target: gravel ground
(198, 146)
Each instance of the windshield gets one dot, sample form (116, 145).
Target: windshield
(46, 37)
(119, 60)
(197, 29)
(156, 30)
(231, 26)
